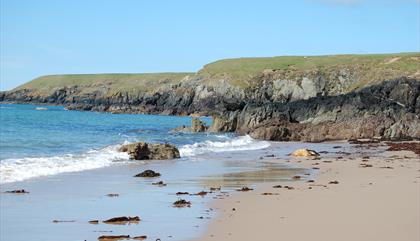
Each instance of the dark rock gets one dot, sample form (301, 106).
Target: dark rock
(113, 237)
(19, 191)
(112, 195)
(63, 221)
(202, 193)
(122, 220)
(160, 184)
(146, 151)
(182, 193)
(142, 237)
(181, 203)
(404, 146)
(148, 173)
(371, 113)
(245, 189)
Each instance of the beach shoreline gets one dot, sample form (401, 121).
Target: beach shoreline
(352, 197)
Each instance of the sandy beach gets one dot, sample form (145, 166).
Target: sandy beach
(354, 197)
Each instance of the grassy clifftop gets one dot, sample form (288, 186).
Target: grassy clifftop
(114, 82)
(239, 72)
(373, 67)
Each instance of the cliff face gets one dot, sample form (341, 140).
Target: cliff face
(280, 98)
(389, 110)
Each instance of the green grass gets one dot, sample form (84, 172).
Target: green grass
(130, 83)
(240, 72)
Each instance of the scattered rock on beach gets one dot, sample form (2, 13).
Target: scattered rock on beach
(147, 151)
(63, 221)
(304, 153)
(215, 188)
(277, 186)
(202, 193)
(182, 193)
(159, 183)
(113, 237)
(112, 195)
(148, 173)
(244, 189)
(94, 221)
(18, 191)
(143, 237)
(404, 146)
(123, 219)
(181, 203)
(333, 182)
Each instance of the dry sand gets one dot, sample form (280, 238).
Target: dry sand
(368, 203)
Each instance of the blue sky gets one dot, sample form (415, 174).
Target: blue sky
(56, 37)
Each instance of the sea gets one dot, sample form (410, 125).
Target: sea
(69, 162)
(38, 141)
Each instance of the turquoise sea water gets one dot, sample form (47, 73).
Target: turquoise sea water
(46, 140)
(68, 161)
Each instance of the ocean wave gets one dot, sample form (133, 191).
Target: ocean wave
(240, 143)
(12, 170)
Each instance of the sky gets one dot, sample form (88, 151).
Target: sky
(46, 37)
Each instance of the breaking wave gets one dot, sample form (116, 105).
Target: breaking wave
(12, 170)
(240, 143)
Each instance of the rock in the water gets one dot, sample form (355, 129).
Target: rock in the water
(146, 151)
(148, 173)
(197, 125)
(304, 153)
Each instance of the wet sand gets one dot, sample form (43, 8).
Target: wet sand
(74, 199)
(345, 202)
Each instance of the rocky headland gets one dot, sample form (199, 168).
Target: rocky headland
(293, 98)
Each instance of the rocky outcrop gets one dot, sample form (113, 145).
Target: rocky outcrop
(389, 110)
(196, 126)
(146, 151)
(281, 98)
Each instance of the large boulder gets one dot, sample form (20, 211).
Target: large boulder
(147, 151)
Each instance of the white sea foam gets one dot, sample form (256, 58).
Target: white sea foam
(12, 170)
(240, 143)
